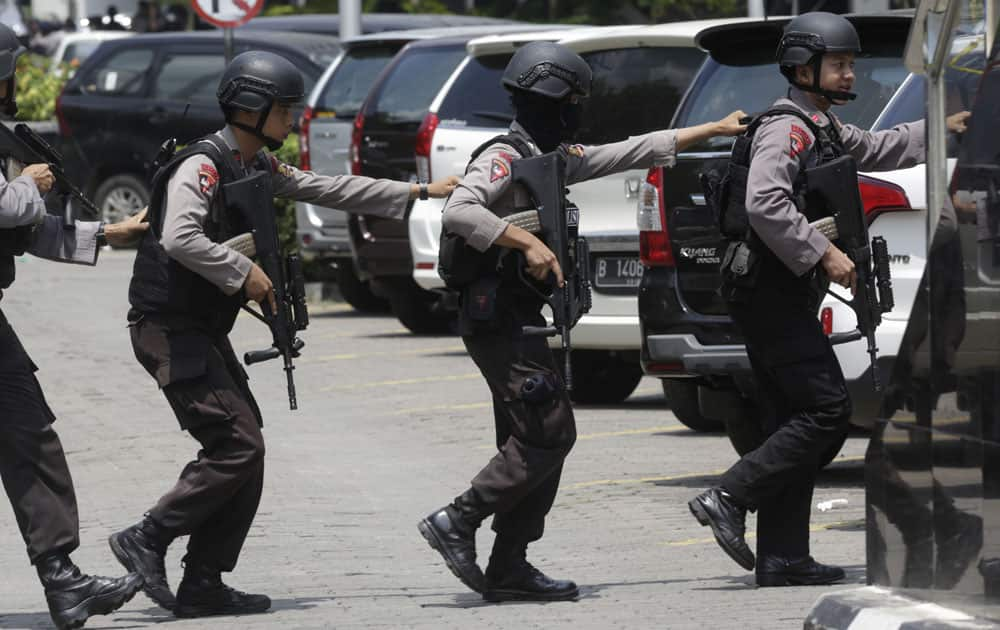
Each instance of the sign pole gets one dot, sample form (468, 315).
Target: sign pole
(227, 38)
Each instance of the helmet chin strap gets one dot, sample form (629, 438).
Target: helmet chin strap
(258, 130)
(10, 102)
(830, 95)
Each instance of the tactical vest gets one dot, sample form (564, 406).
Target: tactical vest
(13, 242)
(162, 286)
(727, 195)
(458, 263)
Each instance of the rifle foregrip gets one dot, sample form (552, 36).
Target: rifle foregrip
(539, 331)
(256, 356)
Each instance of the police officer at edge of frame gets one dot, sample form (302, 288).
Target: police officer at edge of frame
(534, 433)
(32, 462)
(804, 400)
(186, 291)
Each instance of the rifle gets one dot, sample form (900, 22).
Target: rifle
(544, 177)
(254, 198)
(843, 222)
(29, 148)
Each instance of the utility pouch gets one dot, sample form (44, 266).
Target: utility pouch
(479, 298)
(538, 388)
(740, 265)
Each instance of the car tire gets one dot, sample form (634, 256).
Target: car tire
(357, 292)
(682, 397)
(600, 377)
(121, 196)
(417, 310)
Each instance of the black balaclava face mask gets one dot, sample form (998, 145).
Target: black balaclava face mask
(549, 122)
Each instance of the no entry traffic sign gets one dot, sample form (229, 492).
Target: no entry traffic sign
(227, 13)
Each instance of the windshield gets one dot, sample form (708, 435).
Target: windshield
(719, 90)
(412, 84)
(477, 98)
(347, 88)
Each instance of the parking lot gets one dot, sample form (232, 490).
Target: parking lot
(390, 426)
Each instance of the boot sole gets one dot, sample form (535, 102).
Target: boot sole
(126, 561)
(184, 612)
(782, 579)
(78, 615)
(501, 595)
(705, 520)
(427, 531)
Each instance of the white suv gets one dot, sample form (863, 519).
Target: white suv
(634, 66)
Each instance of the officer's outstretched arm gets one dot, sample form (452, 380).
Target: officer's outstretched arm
(728, 126)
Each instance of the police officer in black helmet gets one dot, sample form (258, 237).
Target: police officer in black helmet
(187, 288)
(535, 428)
(803, 398)
(32, 463)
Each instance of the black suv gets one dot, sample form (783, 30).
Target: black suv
(688, 339)
(133, 93)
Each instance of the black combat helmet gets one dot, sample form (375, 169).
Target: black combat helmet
(810, 36)
(10, 50)
(253, 82)
(548, 69)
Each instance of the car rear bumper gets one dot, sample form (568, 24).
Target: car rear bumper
(694, 357)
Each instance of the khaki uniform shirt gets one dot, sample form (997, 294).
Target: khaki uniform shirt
(783, 145)
(192, 187)
(476, 208)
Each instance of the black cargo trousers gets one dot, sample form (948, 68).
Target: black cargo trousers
(803, 404)
(216, 497)
(32, 463)
(534, 433)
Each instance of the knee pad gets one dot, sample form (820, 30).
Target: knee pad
(538, 388)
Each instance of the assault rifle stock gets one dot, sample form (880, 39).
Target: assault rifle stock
(544, 177)
(28, 147)
(843, 222)
(253, 197)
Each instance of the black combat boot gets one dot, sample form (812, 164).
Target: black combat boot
(509, 576)
(141, 548)
(202, 594)
(778, 571)
(715, 507)
(73, 596)
(451, 531)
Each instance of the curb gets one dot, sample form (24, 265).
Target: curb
(880, 608)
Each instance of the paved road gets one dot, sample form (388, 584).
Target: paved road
(391, 426)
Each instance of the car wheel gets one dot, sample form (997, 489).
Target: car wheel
(120, 196)
(600, 377)
(357, 292)
(682, 397)
(416, 309)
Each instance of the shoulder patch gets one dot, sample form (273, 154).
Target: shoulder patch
(499, 169)
(208, 177)
(815, 118)
(575, 150)
(800, 140)
(506, 156)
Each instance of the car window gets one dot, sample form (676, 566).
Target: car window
(719, 90)
(909, 105)
(348, 86)
(121, 74)
(193, 78)
(635, 91)
(78, 51)
(477, 98)
(406, 94)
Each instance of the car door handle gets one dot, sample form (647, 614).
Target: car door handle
(632, 185)
(158, 116)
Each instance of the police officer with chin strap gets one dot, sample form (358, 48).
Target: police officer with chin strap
(535, 428)
(803, 398)
(187, 288)
(32, 462)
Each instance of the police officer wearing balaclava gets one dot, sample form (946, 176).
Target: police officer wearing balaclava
(32, 462)
(803, 397)
(534, 433)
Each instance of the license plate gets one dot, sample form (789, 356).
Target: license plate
(617, 271)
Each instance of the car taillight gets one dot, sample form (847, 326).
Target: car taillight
(304, 162)
(655, 249)
(879, 196)
(359, 125)
(826, 318)
(425, 136)
(64, 129)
